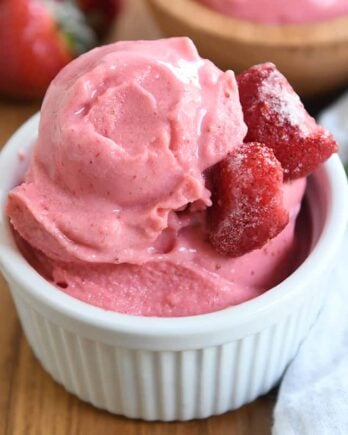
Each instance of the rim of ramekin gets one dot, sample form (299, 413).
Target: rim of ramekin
(321, 257)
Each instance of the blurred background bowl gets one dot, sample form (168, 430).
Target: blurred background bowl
(314, 57)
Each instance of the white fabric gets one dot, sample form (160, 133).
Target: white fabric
(335, 119)
(313, 395)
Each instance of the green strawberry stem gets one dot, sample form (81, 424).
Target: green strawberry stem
(73, 27)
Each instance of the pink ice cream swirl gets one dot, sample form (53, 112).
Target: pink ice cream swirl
(281, 11)
(125, 135)
(113, 206)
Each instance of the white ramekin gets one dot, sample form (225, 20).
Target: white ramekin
(173, 368)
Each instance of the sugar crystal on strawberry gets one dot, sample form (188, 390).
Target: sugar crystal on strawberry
(276, 117)
(247, 198)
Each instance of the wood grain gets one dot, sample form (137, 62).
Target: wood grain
(31, 403)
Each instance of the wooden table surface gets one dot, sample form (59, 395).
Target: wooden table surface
(31, 403)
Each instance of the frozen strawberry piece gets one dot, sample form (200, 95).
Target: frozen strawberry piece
(247, 196)
(276, 117)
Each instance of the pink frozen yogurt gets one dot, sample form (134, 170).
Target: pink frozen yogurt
(280, 11)
(113, 206)
(126, 132)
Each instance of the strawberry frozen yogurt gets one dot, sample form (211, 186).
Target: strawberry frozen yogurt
(191, 278)
(126, 132)
(114, 206)
(280, 11)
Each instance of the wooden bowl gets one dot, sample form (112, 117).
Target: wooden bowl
(314, 57)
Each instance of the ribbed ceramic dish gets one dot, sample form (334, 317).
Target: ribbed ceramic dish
(173, 368)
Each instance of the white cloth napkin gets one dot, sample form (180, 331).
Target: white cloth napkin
(313, 395)
(335, 119)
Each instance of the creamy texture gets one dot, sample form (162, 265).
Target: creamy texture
(126, 131)
(113, 207)
(280, 11)
(191, 278)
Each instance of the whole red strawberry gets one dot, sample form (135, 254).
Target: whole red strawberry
(37, 38)
(276, 117)
(247, 196)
